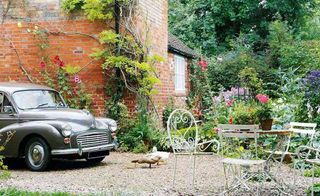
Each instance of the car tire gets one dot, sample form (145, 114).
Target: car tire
(37, 154)
(95, 161)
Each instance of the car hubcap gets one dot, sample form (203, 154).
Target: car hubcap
(36, 155)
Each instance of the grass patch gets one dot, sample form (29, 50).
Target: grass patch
(5, 175)
(316, 189)
(308, 173)
(15, 192)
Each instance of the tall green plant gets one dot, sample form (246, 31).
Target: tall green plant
(200, 95)
(249, 79)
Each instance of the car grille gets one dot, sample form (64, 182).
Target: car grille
(93, 139)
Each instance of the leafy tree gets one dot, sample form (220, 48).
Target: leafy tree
(211, 24)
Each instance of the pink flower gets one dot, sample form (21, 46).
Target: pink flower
(77, 79)
(216, 130)
(203, 64)
(262, 98)
(42, 64)
(229, 103)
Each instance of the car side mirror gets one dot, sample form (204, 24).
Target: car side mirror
(8, 109)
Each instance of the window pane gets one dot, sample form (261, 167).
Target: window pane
(180, 73)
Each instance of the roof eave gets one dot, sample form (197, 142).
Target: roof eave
(174, 50)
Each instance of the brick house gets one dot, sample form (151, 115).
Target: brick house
(19, 53)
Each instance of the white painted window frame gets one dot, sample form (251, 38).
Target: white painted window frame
(180, 65)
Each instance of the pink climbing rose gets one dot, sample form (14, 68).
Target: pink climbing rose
(262, 98)
(229, 102)
(42, 64)
(77, 79)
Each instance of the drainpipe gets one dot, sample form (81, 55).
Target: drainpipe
(117, 30)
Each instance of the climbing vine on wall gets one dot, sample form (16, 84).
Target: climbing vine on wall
(57, 74)
(123, 52)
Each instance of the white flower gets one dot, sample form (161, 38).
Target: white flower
(219, 59)
(280, 100)
(263, 2)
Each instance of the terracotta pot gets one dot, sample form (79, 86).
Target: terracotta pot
(266, 124)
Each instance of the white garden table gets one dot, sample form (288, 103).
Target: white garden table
(282, 137)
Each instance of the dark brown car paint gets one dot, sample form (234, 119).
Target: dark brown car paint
(46, 123)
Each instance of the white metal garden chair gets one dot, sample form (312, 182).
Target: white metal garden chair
(245, 168)
(302, 130)
(306, 156)
(183, 132)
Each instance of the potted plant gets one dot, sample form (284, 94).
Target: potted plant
(264, 112)
(244, 113)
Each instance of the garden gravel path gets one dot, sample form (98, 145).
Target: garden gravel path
(117, 175)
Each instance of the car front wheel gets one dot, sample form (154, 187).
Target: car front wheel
(37, 154)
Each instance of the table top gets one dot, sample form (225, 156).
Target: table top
(261, 132)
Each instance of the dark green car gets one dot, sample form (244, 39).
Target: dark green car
(36, 124)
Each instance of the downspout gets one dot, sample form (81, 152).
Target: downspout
(117, 30)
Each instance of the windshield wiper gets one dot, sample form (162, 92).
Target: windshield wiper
(42, 104)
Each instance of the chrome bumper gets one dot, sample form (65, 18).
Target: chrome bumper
(82, 150)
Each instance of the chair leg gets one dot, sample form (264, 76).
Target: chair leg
(191, 172)
(263, 180)
(294, 178)
(226, 178)
(174, 170)
(312, 193)
(194, 171)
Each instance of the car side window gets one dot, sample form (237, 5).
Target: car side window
(1, 102)
(5, 105)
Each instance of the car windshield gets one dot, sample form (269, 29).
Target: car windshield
(33, 99)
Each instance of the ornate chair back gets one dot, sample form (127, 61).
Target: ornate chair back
(182, 130)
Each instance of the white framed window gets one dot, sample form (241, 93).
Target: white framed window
(180, 74)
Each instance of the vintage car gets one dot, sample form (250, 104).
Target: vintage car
(36, 124)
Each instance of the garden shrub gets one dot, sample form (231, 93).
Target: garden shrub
(249, 79)
(200, 96)
(303, 54)
(289, 52)
(4, 173)
(168, 109)
(316, 189)
(138, 133)
(245, 113)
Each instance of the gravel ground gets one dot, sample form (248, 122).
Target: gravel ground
(117, 175)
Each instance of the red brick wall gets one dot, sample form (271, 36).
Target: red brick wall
(64, 46)
(75, 49)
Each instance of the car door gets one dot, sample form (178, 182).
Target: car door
(8, 114)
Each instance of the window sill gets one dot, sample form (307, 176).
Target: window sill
(180, 94)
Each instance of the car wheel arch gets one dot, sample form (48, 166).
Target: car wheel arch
(25, 140)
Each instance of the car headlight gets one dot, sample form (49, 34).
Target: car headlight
(66, 130)
(113, 125)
